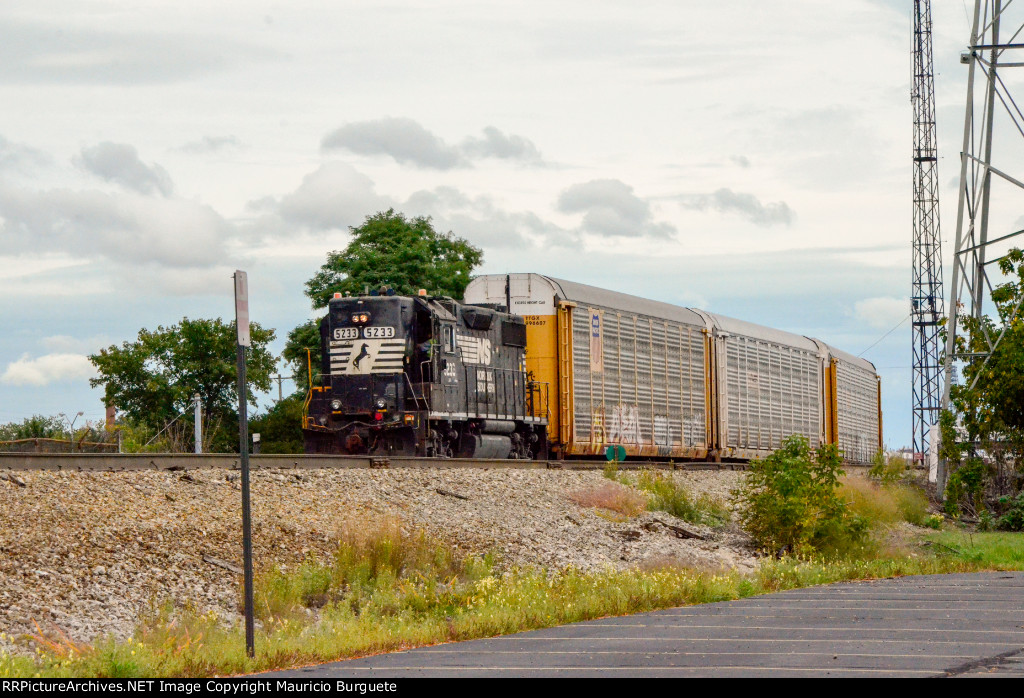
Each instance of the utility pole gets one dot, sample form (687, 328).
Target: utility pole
(926, 303)
(981, 206)
(199, 423)
(278, 378)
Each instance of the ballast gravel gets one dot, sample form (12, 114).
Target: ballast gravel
(86, 555)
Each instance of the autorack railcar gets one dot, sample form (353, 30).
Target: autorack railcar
(664, 381)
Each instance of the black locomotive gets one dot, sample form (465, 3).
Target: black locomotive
(424, 376)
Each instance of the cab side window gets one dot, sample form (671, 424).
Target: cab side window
(448, 338)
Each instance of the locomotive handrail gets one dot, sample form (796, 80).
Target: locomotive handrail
(412, 390)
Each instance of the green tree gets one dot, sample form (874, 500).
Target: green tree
(153, 379)
(994, 405)
(305, 336)
(34, 427)
(989, 401)
(280, 429)
(390, 250)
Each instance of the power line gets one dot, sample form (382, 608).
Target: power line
(884, 336)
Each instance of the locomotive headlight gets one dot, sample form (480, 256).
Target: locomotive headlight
(335, 404)
(381, 404)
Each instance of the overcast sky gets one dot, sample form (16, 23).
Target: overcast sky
(750, 158)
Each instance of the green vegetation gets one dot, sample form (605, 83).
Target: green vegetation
(385, 589)
(988, 404)
(153, 380)
(34, 427)
(390, 250)
(882, 505)
(993, 551)
(665, 494)
(280, 429)
(789, 502)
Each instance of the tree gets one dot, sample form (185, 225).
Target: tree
(995, 404)
(280, 429)
(35, 427)
(989, 402)
(153, 380)
(407, 255)
(305, 336)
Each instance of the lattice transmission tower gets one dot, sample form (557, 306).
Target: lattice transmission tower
(926, 303)
(991, 198)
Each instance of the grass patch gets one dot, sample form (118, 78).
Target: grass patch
(997, 551)
(612, 497)
(665, 494)
(884, 504)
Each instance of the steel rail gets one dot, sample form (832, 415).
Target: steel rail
(133, 462)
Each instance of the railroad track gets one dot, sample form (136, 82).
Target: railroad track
(127, 462)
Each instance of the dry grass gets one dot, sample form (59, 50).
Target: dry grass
(885, 504)
(611, 496)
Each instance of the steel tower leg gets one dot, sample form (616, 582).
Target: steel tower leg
(975, 249)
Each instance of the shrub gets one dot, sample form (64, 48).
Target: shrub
(789, 501)
(1013, 513)
(888, 470)
(965, 488)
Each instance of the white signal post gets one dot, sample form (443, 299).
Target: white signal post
(244, 341)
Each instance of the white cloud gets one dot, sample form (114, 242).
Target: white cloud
(120, 163)
(210, 144)
(496, 144)
(51, 368)
(38, 52)
(335, 196)
(403, 139)
(610, 208)
(743, 204)
(408, 142)
(125, 227)
(882, 313)
(66, 344)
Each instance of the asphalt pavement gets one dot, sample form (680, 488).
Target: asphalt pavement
(960, 625)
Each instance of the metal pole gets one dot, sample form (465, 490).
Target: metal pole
(954, 296)
(242, 326)
(243, 443)
(199, 423)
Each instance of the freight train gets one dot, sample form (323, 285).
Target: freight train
(531, 366)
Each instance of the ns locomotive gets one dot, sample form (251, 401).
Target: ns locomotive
(424, 376)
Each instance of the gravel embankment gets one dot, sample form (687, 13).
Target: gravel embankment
(88, 553)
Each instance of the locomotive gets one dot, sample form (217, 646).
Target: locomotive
(424, 376)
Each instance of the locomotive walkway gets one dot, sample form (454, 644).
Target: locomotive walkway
(935, 626)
